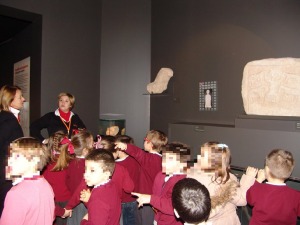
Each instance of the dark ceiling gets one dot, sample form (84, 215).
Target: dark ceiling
(9, 27)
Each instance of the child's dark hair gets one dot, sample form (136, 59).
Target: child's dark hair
(103, 156)
(108, 142)
(30, 148)
(60, 152)
(191, 200)
(124, 139)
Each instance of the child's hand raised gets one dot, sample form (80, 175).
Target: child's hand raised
(251, 171)
(261, 176)
(142, 198)
(85, 195)
(120, 146)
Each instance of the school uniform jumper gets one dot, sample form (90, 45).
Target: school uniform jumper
(161, 199)
(273, 204)
(104, 206)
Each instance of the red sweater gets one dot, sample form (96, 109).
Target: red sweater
(120, 177)
(134, 171)
(150, 164)
(273, 204)
(75, 173)
(104, 206)
(161, 199)
(57, 180)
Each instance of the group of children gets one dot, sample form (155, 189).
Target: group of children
(112, 181)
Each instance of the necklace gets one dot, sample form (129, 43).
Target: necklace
(67, 126)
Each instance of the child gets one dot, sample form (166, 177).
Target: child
(31, 199)
(82, 142)
(174, 165)
(120, 177)
(212, 169)
(104, 205)
(191, 201)
(108, 142)
(129, 204)
(56, 171)
(274, 202)
(151, 164)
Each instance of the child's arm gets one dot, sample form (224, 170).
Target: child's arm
(246, 182)
(132, 150)
(142, 198)
(75, 199)
(98, 213)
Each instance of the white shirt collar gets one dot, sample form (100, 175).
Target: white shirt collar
(283, 184)
(105, 182)
(14, 111)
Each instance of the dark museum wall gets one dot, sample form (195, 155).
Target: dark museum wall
(212, 41)
(70, 53)
(27, 42)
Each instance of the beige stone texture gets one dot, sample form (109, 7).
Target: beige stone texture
(272, 87)
(161, 81)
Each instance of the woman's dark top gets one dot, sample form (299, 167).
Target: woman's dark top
(10, 130)
(52, 122)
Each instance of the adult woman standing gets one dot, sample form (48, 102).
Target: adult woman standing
(61, 119)
(11, 101)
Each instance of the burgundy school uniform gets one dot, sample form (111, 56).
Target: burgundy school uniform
(151, 164)
(57, 180)
(133, 169)
(75, 173)
(161, 199)
(121, 179)
(104, 206)
(273, 204)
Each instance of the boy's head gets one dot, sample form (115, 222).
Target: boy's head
(26, 156)
(155, 140)
(191, 201)
(108, 142)
(279, 164)
(174, 158)
(99, 167)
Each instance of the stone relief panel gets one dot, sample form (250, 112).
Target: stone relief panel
(272, 87)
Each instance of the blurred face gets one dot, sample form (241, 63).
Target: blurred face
(64, 104)
(170, 163)
(17, 165)
(205, 158)
(94, 174)
(18, 101)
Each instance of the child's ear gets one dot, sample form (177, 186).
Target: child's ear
(176, 213)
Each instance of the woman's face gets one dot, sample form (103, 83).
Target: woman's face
(18, 100)
(64, 104)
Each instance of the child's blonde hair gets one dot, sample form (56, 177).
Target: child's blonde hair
(220, 160)
(158, 139)
(30, 148)
(60, 152)
(280, 163)
(80, 141)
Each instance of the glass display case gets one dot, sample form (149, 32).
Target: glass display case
(112, 124)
